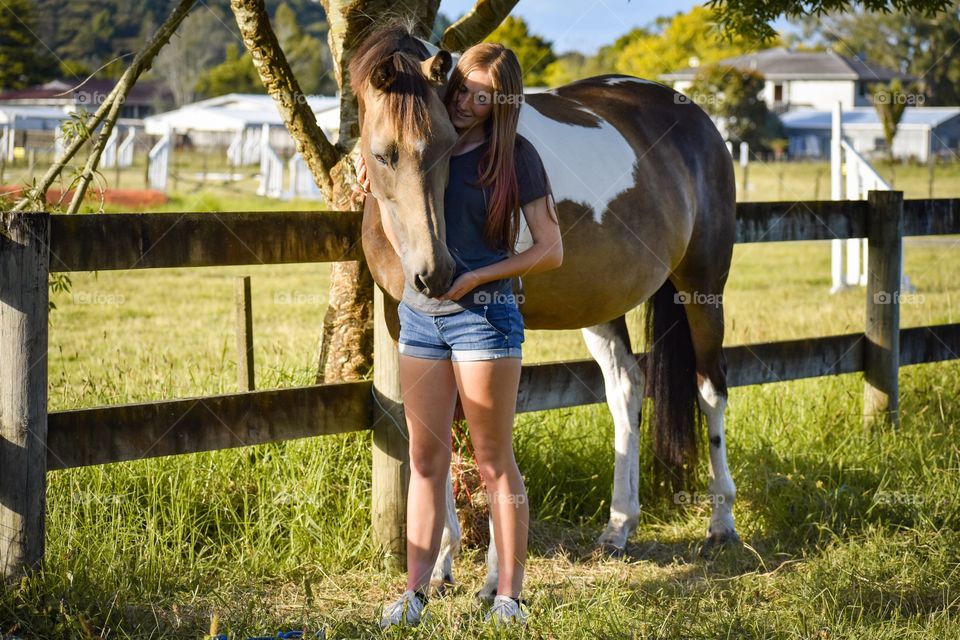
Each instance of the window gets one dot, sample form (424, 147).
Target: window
(778, 93)
(879, 144)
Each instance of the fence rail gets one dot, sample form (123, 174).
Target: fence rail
(34, 244)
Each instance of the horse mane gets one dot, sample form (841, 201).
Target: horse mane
(405, 99)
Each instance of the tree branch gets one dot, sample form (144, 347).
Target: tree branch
(278, 79)
(477, 24)
(109, 110)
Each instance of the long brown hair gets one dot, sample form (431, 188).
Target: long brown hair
(497, 167)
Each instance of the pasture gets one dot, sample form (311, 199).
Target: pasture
(849, 533)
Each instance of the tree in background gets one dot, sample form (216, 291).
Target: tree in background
(534, 53)
(890, 101)
(669, 44)
(732, 97)
(911, 43)
(751, 19)
(235, 75)
(22, 61)
(188, 55)
(683, 40)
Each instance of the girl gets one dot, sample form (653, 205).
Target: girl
(467, 340)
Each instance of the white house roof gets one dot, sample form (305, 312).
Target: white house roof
(779, 63)
(32, 117)
(867, 117)
(237, 111)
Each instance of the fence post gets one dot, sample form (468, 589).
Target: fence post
(244, 314)
(24, 296)
(884, 267)
(391, 462)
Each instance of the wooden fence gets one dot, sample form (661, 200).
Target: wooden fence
(34, 441)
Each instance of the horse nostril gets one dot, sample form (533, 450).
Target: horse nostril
(419, 284)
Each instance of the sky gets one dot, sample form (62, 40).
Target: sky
(584, 25)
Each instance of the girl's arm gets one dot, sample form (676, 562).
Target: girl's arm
(545, 254)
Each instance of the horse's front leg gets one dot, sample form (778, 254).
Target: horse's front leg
(442, 576)
(609, 344)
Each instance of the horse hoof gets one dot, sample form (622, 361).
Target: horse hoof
(715, 542)
(610, 550)
(486, 596)
(444, 586)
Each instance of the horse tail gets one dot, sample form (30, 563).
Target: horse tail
(672, 383)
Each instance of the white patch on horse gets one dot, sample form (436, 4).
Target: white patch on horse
(623, 382)
(612, 82)
(588, 165)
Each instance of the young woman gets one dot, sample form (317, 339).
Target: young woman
(467, 340)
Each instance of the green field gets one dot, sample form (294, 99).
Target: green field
(849, 533)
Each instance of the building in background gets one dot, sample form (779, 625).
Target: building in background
(804, 79)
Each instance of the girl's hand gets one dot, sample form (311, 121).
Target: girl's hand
(464, 283)
(363, 180)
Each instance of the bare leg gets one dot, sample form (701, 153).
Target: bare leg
(488, 391)
(429, 393)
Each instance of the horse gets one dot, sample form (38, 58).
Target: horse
(645, 196)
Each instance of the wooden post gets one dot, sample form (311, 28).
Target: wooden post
(24, 296)
(391, 461)
(244, 314)
(884, 268)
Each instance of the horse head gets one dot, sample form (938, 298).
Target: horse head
(405, 139)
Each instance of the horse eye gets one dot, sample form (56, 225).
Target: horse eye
(379, 158)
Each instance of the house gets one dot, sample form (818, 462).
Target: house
(922, 131)
(71, 96)
(804, 79)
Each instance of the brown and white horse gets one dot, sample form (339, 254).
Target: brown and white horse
(645, 195)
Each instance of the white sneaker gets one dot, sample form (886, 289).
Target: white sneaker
(407, 610)
(505, 610)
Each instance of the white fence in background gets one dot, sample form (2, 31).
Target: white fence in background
(302, 184)
(125, 149)
(848, 258)
(108, 157)
(6, 142)
(159, 163)
(271, 167)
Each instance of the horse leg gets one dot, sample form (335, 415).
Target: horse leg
(442, 576)
(609, 344)
(705, 316)
(489, 589)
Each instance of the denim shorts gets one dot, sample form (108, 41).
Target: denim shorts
(483, 332)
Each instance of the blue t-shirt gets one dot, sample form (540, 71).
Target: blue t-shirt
(465, 214)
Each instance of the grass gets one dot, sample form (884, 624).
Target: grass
(850, 533)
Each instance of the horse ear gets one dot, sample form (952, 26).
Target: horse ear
(437, 67)
(384, 74)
